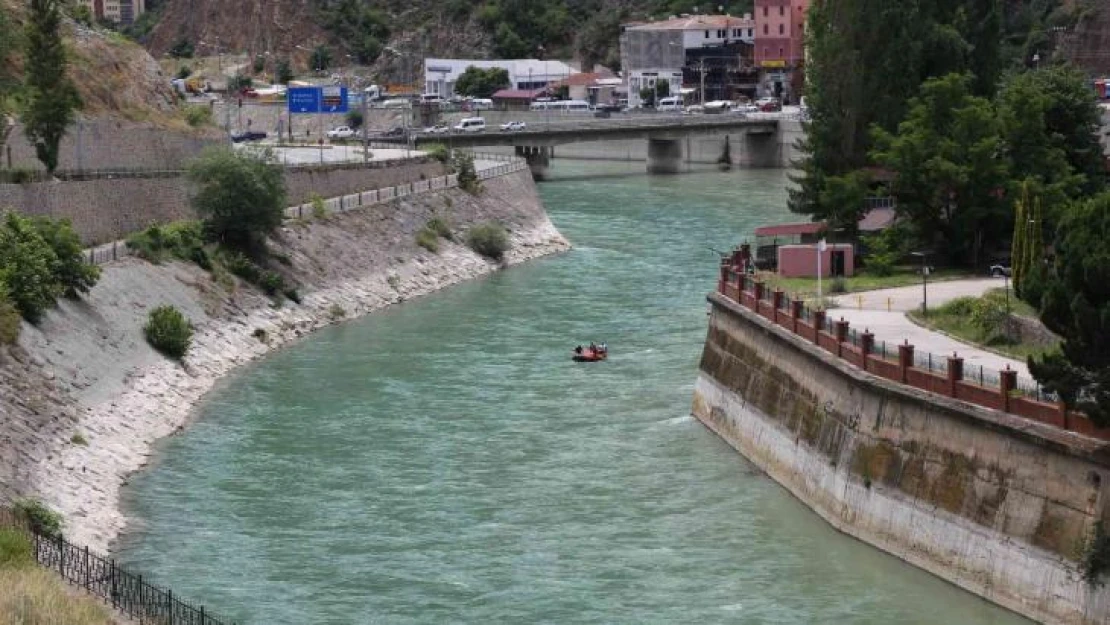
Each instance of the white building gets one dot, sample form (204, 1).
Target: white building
(440, 75)
(653, 51)
(121, 11)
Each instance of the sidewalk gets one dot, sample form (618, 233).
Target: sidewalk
(894, 327)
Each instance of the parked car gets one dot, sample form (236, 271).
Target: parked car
(510, 126)
(745, 108)
(612, 108)
(396, 131)
(1000, 269)
(438, 129)
(341, 132)
(248, 135)
(769, 105)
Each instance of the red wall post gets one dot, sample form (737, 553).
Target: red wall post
(776, 304)
(795, 314)
(1008, 378)
(905, 360)
(818, 325)
(723, 280)
(866, 345)
(955, 373)
(758, 294)
(841, 330)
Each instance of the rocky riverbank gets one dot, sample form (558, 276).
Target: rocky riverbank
(83, 399)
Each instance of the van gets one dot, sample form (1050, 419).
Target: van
(481, 104)
(431, 98)
(576, 106)
(471, 124)
(672, 103)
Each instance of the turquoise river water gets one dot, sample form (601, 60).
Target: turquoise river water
(444, 461)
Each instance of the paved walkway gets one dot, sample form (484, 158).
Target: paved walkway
(894, 327)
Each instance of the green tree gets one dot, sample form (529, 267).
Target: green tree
(284, 72)
(476, 82)
(360, 25)
(845, 198)
(8, 83)
(950, 175)
(1018, 246)
(182, 49)
(51, 98)
(70, 271)
(1076, 306)
(662, 89)
(240, 196)
(27, 266)
(321, 58)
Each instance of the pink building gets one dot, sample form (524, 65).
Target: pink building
(800, 261)
(780, 45)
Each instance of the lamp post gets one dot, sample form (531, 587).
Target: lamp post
(821, 247)
(924, 281)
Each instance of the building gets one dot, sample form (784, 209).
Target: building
(780, 47)
(440, 75)
(120, 11)
(709, 55)
(592, 87)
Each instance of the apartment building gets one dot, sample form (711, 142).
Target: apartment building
(120, 11)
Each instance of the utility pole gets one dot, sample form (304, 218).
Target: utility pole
(701, 75)
(365, 132)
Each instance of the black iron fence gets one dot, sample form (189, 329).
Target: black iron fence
(125, 590)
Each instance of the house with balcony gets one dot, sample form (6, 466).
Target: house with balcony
(780, 30)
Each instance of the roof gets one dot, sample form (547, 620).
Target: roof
(541, 70)
(517, 94)
(781, 230)
(695, 22)
(877, 219)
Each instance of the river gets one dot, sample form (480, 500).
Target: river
(445, 461)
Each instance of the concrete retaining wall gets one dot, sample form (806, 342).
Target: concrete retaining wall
(110, 209)
(999, 505)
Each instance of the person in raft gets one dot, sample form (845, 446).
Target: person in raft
(578, 350)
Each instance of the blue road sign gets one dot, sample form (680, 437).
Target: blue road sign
(304, 99)
(334, 100)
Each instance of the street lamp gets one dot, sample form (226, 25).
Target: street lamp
(924, 281)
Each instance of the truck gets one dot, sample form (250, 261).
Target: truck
(373, 93)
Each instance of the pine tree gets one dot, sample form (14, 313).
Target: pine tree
(1034, 252)
(51, 97)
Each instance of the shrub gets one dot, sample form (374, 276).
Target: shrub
(441, 227)
(168, 331)
(293, 295)
(1097, 559)
(19, 175)
(838, 285)
(238, 264)
(428, 239)
(261, 335)
(27, 265)
(488, 239)
(79, 439)
(40, 518)
(197, 116)
(16, 550)
(319, 211)
(438, 151)
(468, 176)
(959, 307)
(180, 239)
(9, 318)
(70, 269)
(272, 283)
(241, 197)
(336, 312)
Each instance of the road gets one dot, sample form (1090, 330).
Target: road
(894, 327)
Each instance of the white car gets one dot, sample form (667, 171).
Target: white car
(438, 129)
(341, 132)
(510, 126)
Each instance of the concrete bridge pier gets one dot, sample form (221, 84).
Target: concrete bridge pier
(538, 158)
(664, 156)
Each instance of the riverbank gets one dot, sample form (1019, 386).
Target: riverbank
(89, 399)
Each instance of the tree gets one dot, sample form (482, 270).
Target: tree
(662, 89)
(73, 274)
(951, 176)
(182, 49)
(1076, 306)
(321, 58)
(8, 83)
(27, 266)
(647, 96)
(476, 82)
(240, 196)
(284, 72)
(354, 118)
(1018, 246)
(51, 98)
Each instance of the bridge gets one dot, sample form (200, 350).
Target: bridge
(665, 135)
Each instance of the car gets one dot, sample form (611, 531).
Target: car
(746, 108)
(612, 108)
(769, 105)
(396, 131)
(341, 132)
(999, 270)
(248, 135)
(438, 129)
(510, 126)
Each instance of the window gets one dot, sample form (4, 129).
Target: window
(707, 34)
(782, 29)
(781, 55)
(751, 32)
(782, 11)
(764, 11)
(766, 30)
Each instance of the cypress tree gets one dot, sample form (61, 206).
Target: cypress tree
(1017, 248)
(51, 97)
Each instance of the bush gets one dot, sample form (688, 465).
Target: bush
(168, 331)
(294, 295)
(319, 211)
(468, 176)
(488, 239)
(241, 197)
(428, 239)
(838, 285)
(337, 312)
(70, 269)
(19, 175)
(16, 550)
(441, 227)
(27, 266)
(40, 518)
(9, 318)
(1096, 560)
(181, 239)
(238, 264)
(438, 151)
(79, 439)
(959, 307)
(197, 116)
(354, 118)
(184, 72)
(272, 283)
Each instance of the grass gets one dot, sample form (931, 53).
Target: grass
(805, 288)
(34, 596)
(961, 318)
(79, 439)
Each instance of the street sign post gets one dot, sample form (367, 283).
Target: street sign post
(333, 100)
(304, 99)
